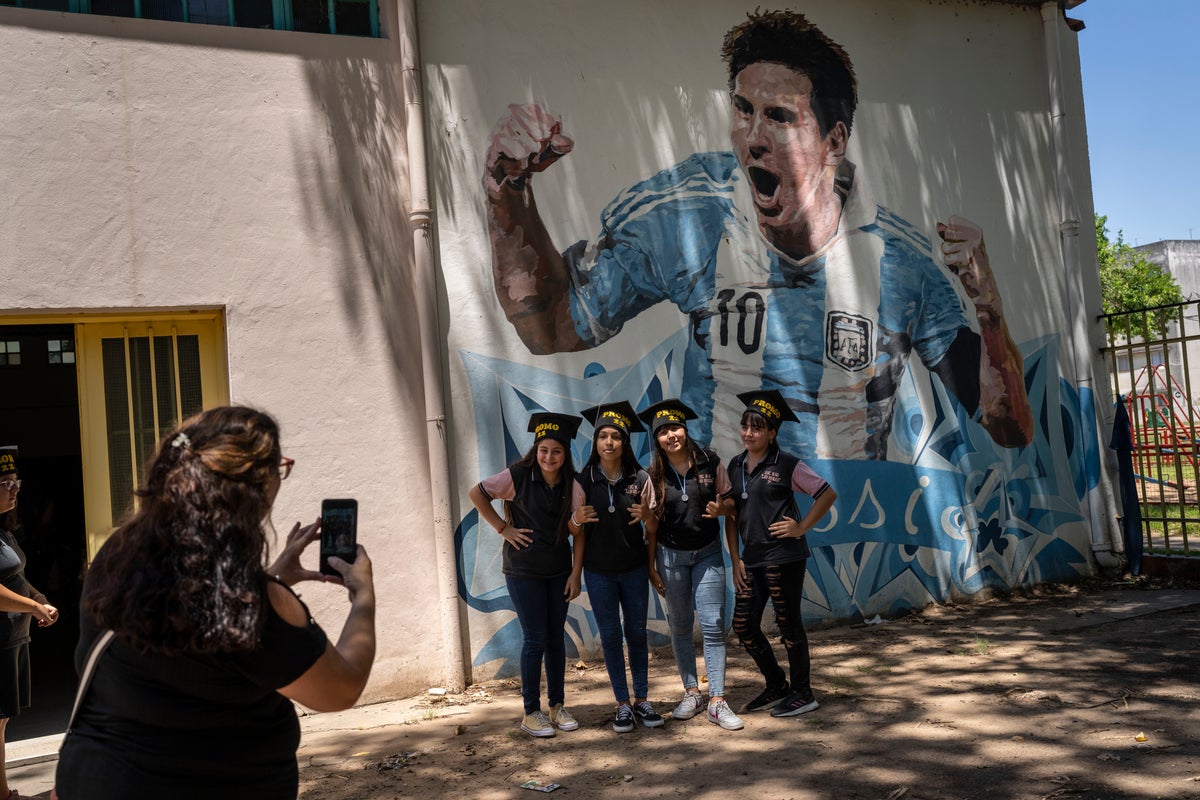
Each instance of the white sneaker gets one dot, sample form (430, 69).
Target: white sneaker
(562, 718)
(536, 724)
(689, 706)
(719, 713)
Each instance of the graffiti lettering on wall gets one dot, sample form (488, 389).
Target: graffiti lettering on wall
(950, 470)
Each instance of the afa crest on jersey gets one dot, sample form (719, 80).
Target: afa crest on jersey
(849, 340)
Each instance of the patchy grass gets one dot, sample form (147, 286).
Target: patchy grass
(980, 647)
(845, 682)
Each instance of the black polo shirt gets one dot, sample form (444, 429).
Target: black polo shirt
(536, 505)
(771, 488)
(683, 525)
(612, 543)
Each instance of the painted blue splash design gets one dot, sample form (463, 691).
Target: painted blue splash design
(950, 514)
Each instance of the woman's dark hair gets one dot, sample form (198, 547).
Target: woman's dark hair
(629, 462)
(659, 465)
(566, 474)
(184, 574)
(788, 38)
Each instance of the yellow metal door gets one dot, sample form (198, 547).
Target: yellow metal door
(137, 379)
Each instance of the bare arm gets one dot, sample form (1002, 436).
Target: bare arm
(531, 279)
(1003, 402)
(339, 676)
(10, 601)
(788, 528)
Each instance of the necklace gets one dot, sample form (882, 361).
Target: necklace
(745, 482)
(608, 482)
(682, 481)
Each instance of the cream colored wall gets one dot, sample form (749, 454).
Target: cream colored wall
(151, 164)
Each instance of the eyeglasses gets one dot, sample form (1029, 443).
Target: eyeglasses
(11, 485)
(285, 467)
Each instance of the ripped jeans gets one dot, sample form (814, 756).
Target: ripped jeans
(783, 585)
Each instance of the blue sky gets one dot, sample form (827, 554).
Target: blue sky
(1141, 87)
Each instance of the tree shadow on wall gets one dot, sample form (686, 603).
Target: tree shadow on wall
(356, 183)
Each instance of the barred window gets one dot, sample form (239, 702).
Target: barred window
(346, 17)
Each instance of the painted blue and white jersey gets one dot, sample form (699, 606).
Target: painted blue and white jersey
(832, 332)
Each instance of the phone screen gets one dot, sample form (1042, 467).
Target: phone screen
(339, 532)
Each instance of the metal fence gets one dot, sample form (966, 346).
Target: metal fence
(1153, 356)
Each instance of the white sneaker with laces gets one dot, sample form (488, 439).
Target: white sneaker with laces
(689, 706)
(719, 713)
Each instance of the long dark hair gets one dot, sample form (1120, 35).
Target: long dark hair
(629, 462)
(660, 464)
(566, 476)
(184, 574)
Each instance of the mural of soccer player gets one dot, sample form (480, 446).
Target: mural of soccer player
(792, 276)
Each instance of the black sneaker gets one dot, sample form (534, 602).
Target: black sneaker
(623, 722)
(769, 698)
(797, 703)
(646, 713)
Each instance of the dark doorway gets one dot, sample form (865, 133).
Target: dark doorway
(39, 412)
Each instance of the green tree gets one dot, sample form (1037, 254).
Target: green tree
(1129, 282)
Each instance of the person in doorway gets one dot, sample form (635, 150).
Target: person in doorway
(687, 567)
(192, 698)
(774, 553)
(610, 551)
(19, 603)
(537, 561)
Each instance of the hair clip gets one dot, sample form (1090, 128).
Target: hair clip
(181, 440)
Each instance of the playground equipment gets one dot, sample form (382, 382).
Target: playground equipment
(1164, 429)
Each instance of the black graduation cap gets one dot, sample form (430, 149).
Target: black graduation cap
(770, 404)
(666, 412)
(619, 415)
(560, 427)
(8, 458)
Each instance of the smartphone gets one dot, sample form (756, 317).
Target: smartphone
(339, 532)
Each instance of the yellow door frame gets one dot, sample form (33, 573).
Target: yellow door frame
(91, 327)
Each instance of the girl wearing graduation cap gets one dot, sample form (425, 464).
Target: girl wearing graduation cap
(610, 551)
(774, 552)
(537, 560)
(687, 567)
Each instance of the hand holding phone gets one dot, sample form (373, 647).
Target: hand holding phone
(339, 532)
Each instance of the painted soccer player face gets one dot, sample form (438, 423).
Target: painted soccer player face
(756, 436)
(672, 439)
(609, 444)
(551, 455)
(778, 143)
(8, 497)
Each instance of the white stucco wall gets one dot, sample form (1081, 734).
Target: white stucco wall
(150, 164)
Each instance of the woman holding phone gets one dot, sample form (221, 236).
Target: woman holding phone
(610, 551)
(687, 567)
(192, 696)
(537, 561)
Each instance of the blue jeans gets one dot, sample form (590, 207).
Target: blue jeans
(541, 609)
(695, 579)
(616, 598)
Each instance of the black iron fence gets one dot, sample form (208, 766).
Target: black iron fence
(1153, 356)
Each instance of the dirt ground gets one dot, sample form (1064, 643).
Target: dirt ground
(1083, 692)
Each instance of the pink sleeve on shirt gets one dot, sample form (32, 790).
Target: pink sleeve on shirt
(648, 497)
(724, 487)
(807, 481)
(499, 486)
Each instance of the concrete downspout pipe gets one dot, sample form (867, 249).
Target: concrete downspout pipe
(425, 291)
(1100, 505)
